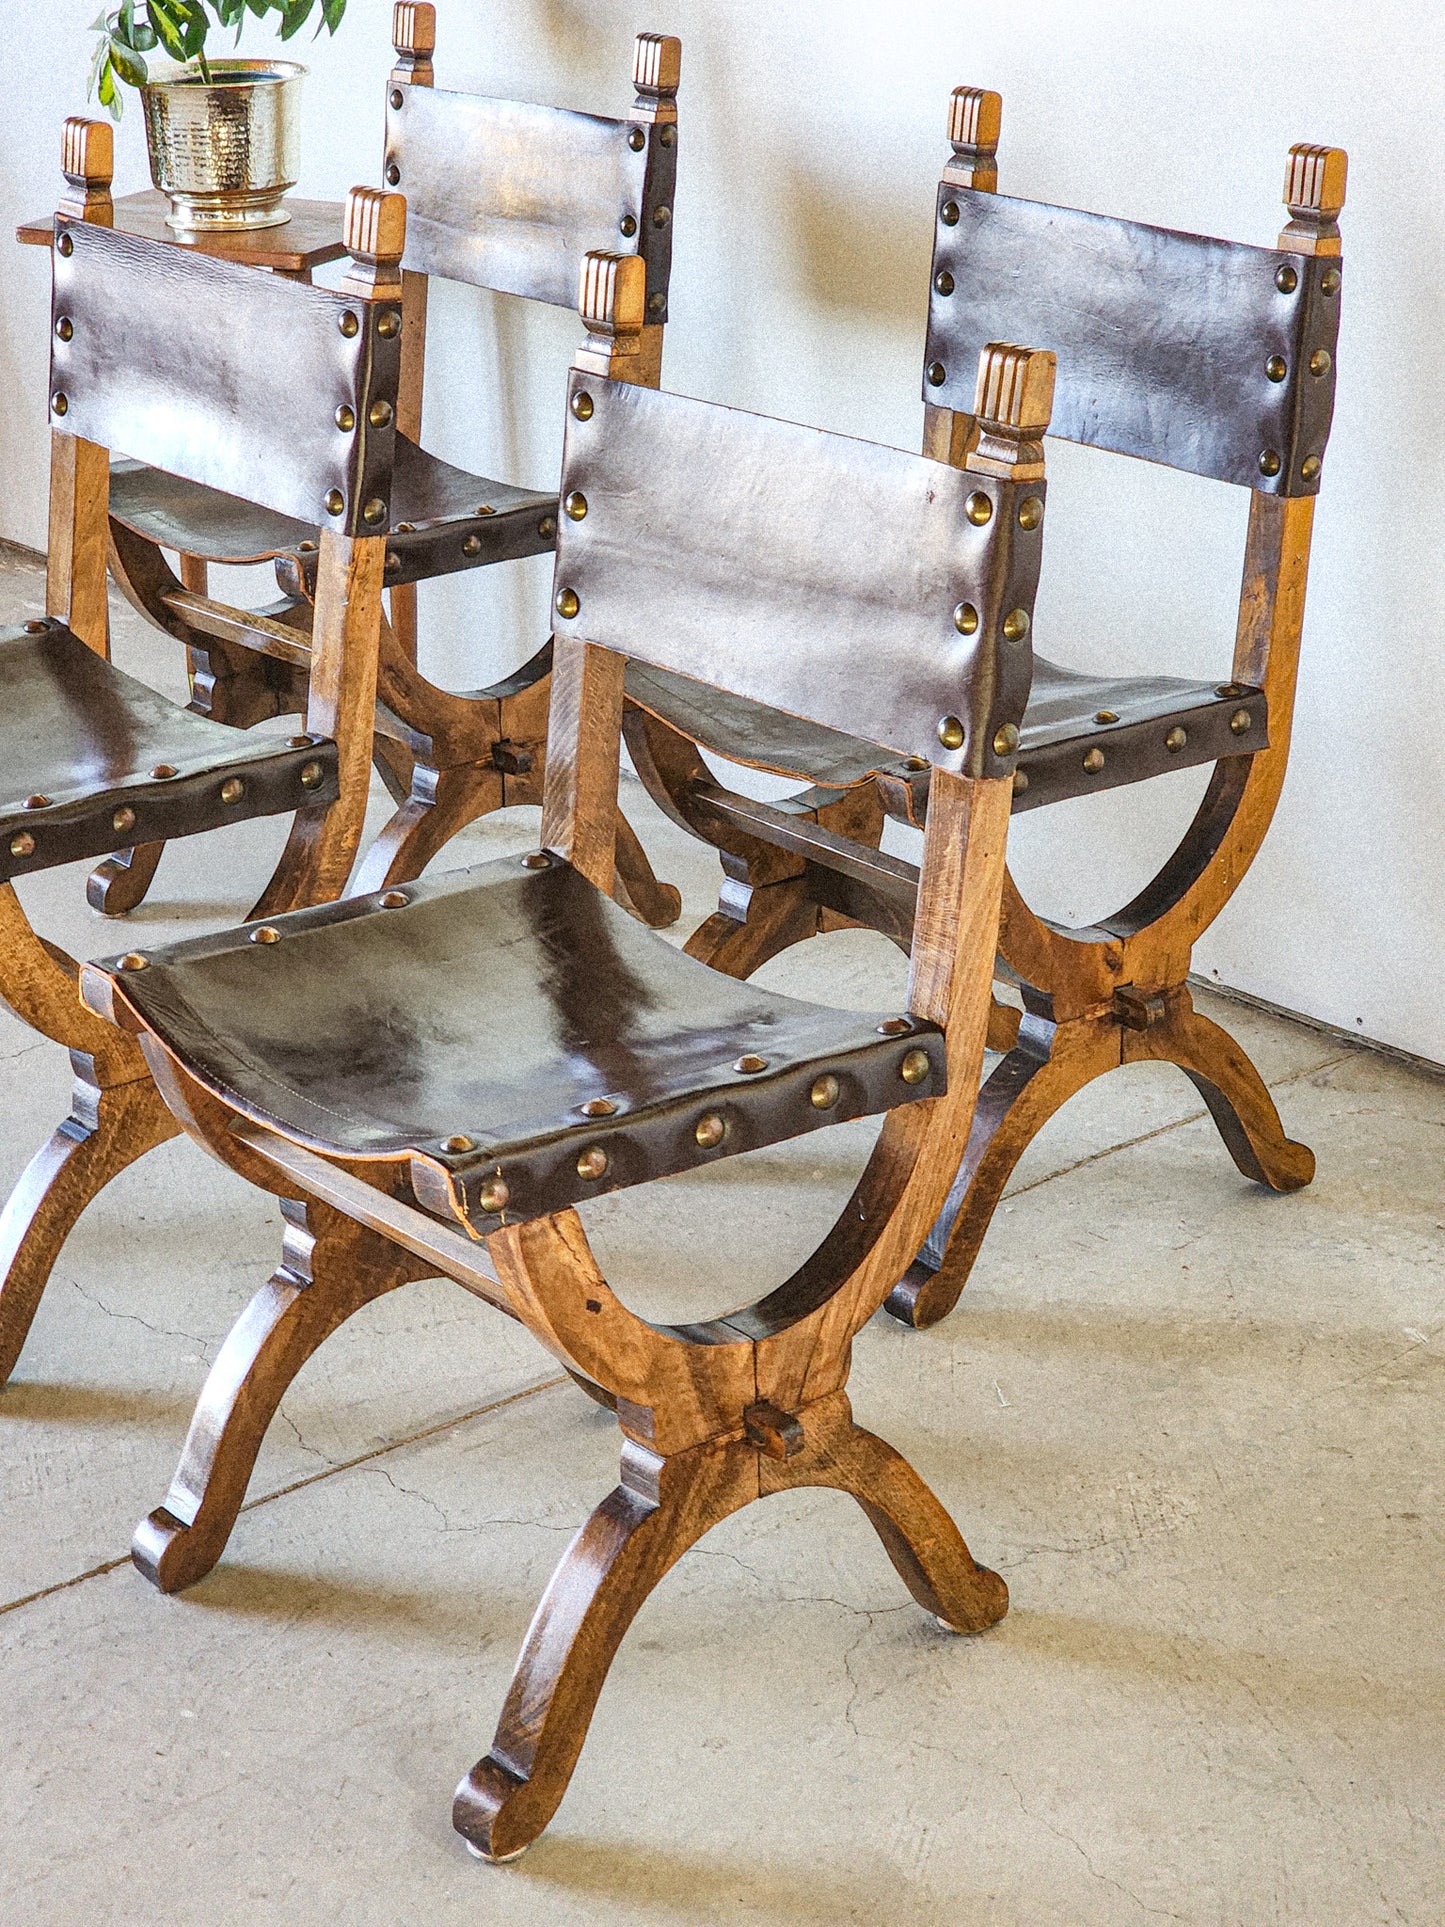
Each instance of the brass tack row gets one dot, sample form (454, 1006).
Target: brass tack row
(710, 1129)
(123, 820)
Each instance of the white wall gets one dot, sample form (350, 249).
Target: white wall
(811, 141)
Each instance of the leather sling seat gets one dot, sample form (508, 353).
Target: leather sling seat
(443, 519)
(516, 1037)
(91, 753)
(1079, 734)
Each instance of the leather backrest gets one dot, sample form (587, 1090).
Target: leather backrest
(847, 583)
(1183, 350)
(216, 372)
(509, 196)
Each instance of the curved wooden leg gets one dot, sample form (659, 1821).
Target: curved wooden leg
(663, 1506)
(330, 1268)
(116, 885)
(919, 1536)
(1043, 1070)
(639, 1531)
(442, 801)
(108, 1128)
(638, 888)
(778, 916)
(394, 764)
(1236, 1094)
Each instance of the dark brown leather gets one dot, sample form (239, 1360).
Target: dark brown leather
(196, 520)
(222, 375)
(1162, 338)
(760, 738)
(492, 1007)
(1058, 731)
(511, 196)
(810, 572)
(436, 504)
(87, 738)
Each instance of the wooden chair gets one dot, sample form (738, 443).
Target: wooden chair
(529, 1045)
(1202, 355)
(502, 195)
(153, 352)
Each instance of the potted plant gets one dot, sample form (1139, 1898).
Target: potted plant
(223, 134)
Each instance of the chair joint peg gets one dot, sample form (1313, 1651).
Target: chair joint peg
(511, 759)
(774, 1432)
(1138, 1009)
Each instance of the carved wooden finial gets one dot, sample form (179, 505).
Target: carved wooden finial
(975, 115)
(87, 160)
(1314, 181)
(1012, 404)
(374, 230)
(612, 301)
(1314, 193)
(414, 35)
(657, 65)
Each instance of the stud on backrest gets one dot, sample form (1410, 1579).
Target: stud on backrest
(87, 160)
(975, 115)
(414, 35)
(374, 230)
(656, 72)
(612, 299)
(1314, 193)
(1013, 399)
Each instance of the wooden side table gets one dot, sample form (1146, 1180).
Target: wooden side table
(310, 238)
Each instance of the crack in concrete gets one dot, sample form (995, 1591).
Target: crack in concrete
(132, 1317)
(448, 1525)
(9, 1056)
(314, 1450)
(299, 1485)
(1164, 1913)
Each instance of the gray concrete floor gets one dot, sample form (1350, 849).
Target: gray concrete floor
(1197, 1427)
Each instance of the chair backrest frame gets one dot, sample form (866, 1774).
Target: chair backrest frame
(511, 196)
(876, 592)
(1209, 356)
(255, 384)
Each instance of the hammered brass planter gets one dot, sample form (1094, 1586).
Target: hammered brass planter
(225, 151)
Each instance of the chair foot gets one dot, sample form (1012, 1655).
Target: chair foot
(635, 1536)
(494, 1859)
(638, 888)
(442, 802)
(1237, 1096)
(330, 1268)
(927, 1549)
(1045, 1068)
(911, 1300)
(119, 883)
(663, 1506)
(108, 1128)
(778, 916)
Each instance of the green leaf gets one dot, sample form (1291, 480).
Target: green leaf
(127, 63)
(169, 29)
(107, 93)
(293, 17)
